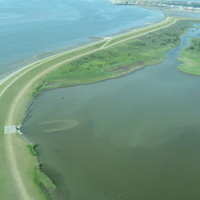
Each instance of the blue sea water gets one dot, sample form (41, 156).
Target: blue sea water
(30, 29)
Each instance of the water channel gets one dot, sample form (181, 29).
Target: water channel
(132, 138)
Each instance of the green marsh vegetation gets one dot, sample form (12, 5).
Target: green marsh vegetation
(190, 59)
(118, 60)
(40, 178)
(46, 184)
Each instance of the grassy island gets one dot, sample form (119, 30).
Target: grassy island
(190, 59)
(20, 175)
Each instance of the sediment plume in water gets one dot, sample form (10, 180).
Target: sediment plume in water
(58, 125)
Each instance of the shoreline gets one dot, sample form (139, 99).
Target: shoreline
(16, 115)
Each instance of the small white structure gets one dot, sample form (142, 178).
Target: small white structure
(13, 129)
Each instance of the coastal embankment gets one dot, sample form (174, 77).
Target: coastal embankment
(20, 173)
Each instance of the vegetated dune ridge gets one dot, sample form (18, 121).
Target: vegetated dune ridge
(20, 176)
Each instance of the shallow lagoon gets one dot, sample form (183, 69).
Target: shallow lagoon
(135, 137)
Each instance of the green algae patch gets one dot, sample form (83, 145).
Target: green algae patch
(190, 59)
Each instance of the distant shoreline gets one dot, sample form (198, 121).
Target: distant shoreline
(178, 5)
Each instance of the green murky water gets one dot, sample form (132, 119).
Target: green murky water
(132, 138)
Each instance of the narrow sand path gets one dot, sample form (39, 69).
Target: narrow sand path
(19, 186)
